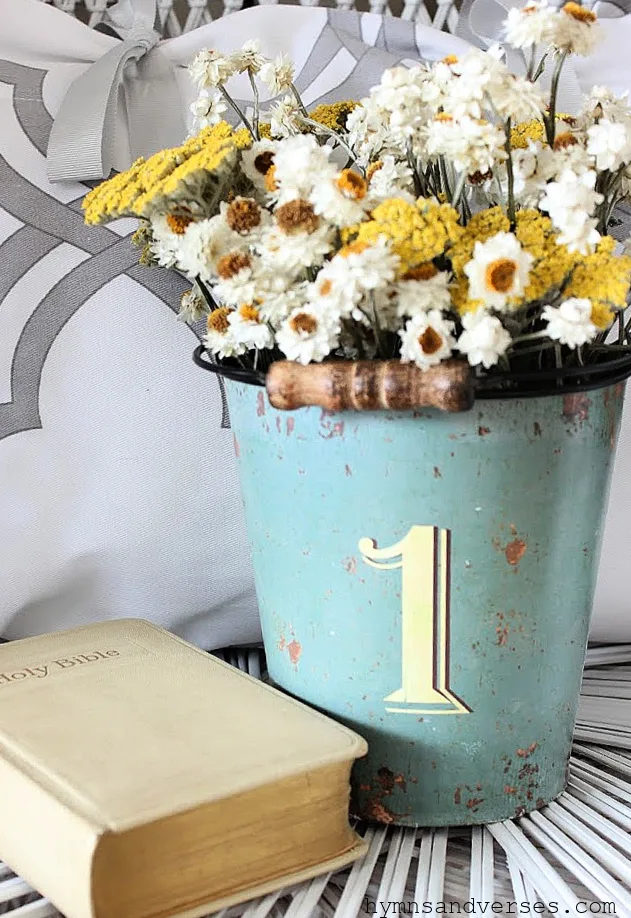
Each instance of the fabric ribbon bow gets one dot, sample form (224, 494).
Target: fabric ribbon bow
(81, 145)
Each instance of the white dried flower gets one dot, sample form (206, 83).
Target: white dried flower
(430, 290)
(427, 339)
(498, 272)
(207, 109)
(166, 245)
(531, 25)
(601, 102)
(610, 144)
(219, 338)
(203, 244)
(341, 198)
(308, 335)
(193, 306)
(291, 254)
(257, 160)
(278, 75)
(575, 30)
(300, 163)
(285, 117)
(367, 132)
(484, 339)
(570, 201)
(570, 323)
(249, 57)
(211, 68)
(391, 179)
(517, 98)
(471, 144)
(249, 329)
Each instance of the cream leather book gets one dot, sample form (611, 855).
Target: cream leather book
(140, 777)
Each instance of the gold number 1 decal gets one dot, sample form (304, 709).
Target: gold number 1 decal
(424, 555)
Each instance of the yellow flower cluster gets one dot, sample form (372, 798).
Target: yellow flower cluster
(132, 193)
(417, 232)
(603, 278)
(533, 130)
(333, 116)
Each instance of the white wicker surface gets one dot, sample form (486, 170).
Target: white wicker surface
(576, 850)
(177, 16)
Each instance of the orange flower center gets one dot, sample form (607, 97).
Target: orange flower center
(500, 275)
(430, 341)
(325, 287)
(297, 217)
(177, 223)
(351, 184)
(249, 313)
(422, 272)
(304, 322)
(372, 168)
(450, 59)
(354, 248)
(243, 215)
(578, 12)
(217, 321)
(229, 265)
(564, 140)
(270, 179)
(443, 116)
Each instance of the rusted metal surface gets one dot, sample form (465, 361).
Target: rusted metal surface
(427, 578)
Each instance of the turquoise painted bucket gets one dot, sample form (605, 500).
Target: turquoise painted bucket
(427, 579)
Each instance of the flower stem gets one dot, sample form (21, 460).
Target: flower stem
(331, 133)
(255, 93)
(444, 178)
(550, 120)
(462, 178)
(233, 105)
(510, 175)
(298, 99)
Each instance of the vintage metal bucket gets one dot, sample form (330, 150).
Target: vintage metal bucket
(427, 578)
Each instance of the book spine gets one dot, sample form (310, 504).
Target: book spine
(45, 841)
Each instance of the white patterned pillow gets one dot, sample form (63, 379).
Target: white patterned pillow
(118, 489)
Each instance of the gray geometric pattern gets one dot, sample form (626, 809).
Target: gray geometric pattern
(48, 222)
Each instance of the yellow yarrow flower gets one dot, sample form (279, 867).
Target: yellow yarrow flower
(603, 278)
(553, 262)
(525, 131)
(131, 193)
(417, 232)
(333, 116)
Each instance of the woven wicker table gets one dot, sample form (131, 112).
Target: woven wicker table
(575, 854)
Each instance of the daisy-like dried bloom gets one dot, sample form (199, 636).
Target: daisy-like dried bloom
(177, 223)
(422, 272)
(564, 140)
(500, 275)
(351, 184)
(229, 265)
(264, 162)
(217, 320)
(353, 248)
(297, 217)
(303, 322)
(578, 12)
(243, 215)
(249, 312)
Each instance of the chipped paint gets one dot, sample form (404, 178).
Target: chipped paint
(347, 470)
(350, 565)
(515, 551)
(484, 431)
(536, 429)
(576, 407)
(525, 753)
(237, 449)
(294, 649)
(291, 423)
(260, 404)
(437, 472)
